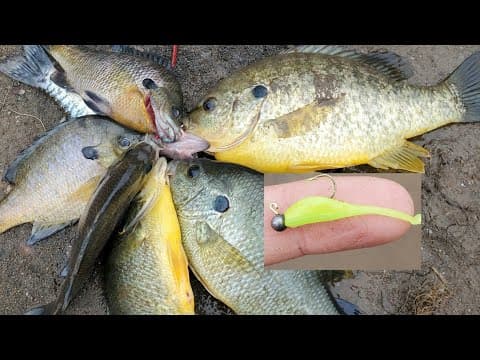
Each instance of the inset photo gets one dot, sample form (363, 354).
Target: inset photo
(342, 221)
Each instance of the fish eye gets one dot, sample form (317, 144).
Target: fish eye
(149, 84)
(123, 142)
(193, 171)
(221, 204)
(175, 112)
(259, 91)
(209, 104)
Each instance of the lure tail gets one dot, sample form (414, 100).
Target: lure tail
(375, 210)
(316, 209)
(33, 67)
(466, 79)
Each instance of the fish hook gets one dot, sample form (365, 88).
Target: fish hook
(278, 221)
(332, 180)
(274, 206)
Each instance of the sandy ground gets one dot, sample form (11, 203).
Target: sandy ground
(447, 284)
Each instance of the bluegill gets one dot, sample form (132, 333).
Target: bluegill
(147, 269)
(52, 181)
(324, 107)
(105, 210)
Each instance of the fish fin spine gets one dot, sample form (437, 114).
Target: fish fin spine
(156, 58)
(466, 80)
(386, 62)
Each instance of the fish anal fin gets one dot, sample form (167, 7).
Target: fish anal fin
(311, 167)
(405, 157)
(42, 231)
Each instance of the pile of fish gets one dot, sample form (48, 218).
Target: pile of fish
(105, 165)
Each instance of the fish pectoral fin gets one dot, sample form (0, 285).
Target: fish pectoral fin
(138, 209)
(385, 62)
(97, 103)
(41, 231)
(405, 157)
(85, 192)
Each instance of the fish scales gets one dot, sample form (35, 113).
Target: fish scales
(225, 249)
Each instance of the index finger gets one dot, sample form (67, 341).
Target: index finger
(350, 233)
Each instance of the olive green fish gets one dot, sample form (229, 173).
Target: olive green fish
(132, 90)
(220, 210)
(122, 182)
(323, 107)
(53, 180)
(147, 269)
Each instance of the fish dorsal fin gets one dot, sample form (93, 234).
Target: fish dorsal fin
(389, 63)
(333, 50)
(156, 58)
(385, 62)
(16, 165)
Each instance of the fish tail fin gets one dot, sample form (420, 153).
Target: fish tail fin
(466, 79)
(32, 68)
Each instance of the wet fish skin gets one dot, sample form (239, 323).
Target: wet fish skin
(52, 180)
(322, 109)
(147, 269)
(132, 90)
(225, 249)
(122, 182)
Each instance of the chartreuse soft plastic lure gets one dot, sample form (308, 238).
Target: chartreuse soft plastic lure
(315, 209)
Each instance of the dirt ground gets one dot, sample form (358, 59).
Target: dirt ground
(448, 282)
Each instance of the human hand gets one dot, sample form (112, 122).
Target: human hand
(346, 234)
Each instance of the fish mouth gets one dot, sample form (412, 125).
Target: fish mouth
(166, 129)
(184, 147)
